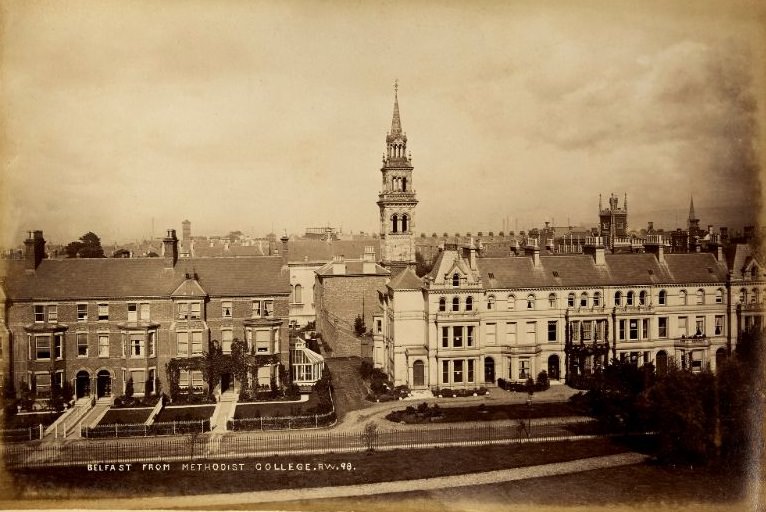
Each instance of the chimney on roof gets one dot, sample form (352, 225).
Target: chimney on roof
(34, 249)
(594, 246)
(338, 265)
(283, 252)
(655, 244)
(533, 249)
(368, 260)
(472, 254)
(170, 248)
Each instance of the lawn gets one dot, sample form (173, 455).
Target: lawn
(375, 467)
(485, 412)
(272, 410)
(125, 416)
(185, 413)
(29, 420)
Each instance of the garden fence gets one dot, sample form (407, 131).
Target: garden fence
(193, 446)
(17, 435)
(140, 430)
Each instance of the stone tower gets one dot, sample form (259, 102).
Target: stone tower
(397, 197)
(613, 221)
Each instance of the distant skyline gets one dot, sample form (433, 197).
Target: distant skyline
(260, 116)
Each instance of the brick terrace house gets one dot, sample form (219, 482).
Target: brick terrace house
(96, 323)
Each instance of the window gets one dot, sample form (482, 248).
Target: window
(183, 379)
(699, 326)
(378, 326)
(531, 332)
(58, 346)
(469, 303)
(523, 369)
(682, 297)
(43, 384)
(587, 327)
(144, 312)
(511, 302)
(552, 300)
(263, 341)
(442, 304)
(298, 294)
(469, 335)
(683, 326)
(53, 313)
(133, 312)
(183, 310)
(644, 328)
(445, 337)
(226, 309)
(742, 296)
(445, 372)
(571, 300)
(195, 310)
(510, 332)
(642, 298)
(630, 298)
(455, 280)
(469, 377)
(530, 301)
(491, 302)
(622, 329)
(662, 327)
(268, 308)
(662, 298)
(596, 299)
(552, 330)
(103, 311)
(103, 345)
(455, 303)
(42, 347)
(718, 325)
(256, 308)
(182, 344)
(82, 312)
(457, 370)
(227, 336)
(700, 296)
(82, 344)
(151, 342)
(753, 297)
(719, 296)
(197, 382)
(633, 329)
(583, 300)
(39, 313)
(136, 345)
(196, 343)
(618, 298)
(491, 331)
(457, 337)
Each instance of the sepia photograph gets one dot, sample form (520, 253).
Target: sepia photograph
(382, 256)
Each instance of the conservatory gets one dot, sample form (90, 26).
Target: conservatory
(305, 364)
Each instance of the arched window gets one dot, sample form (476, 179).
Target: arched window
(404, 184)
(405, 220)
(682, 297)
(571, 300)
(630, 298)
(743, 296)
(455, 280)
(583, 300)
(642, 298)
(491, 302)
(700, 296)
(511, 301)
(394, 224)
(469, 303)
(719, 296)
(552, 300)
(531, 301)
(662, 298)
(298, 295)
(618, 298)
(754, 296)
(455, 303)
(442, 304)
(597, 299)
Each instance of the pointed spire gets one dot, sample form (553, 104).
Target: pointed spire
(396, 122)
(625, 202)
(600, 204)
(691, 208)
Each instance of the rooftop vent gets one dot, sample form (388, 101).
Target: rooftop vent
(555, 273)
(491, 275)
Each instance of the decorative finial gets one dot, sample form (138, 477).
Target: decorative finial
(396, 86)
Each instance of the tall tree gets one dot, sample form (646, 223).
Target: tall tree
(88, 246)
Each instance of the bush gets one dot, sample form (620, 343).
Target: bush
(542, 381)
(365, 370)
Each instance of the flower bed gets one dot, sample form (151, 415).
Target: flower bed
(424, 414)
(312, 406)
(170, 414)
(135, 402)
(460, 392)
(126, 416)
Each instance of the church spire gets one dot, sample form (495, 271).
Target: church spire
(396, 140)
(692, 216)
(396, 122)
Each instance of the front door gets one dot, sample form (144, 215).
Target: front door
(419, 374)
(103, 384)
(489, 370)
(82, 384)
(225, 382)
(553, 367)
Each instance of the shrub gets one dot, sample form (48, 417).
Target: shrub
(542, 381)
(365, 369)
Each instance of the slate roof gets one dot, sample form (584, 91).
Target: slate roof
(319, 250)
(406, 280)
(581, 270)
(117, 278)
(737, 258)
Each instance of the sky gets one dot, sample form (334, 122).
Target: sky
(125, 118)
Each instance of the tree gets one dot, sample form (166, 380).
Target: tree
(359, 327)
(129, 388)
(88, 246)
(422, 267)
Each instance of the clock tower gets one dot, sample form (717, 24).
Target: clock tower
(397, 197)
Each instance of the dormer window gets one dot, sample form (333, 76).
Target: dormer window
(455, 280)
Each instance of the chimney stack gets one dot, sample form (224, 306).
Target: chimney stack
(284, 239)
(368, 260)
(594, 246)
(170, 248)
(34, 250)
(338, 265)
(655, 244)
(533, 249)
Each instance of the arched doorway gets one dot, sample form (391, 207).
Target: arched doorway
(489, 370)
(82, 384)
(553, 367)
(720, 357)
(662, 362)
(103, 384)
(418, 374)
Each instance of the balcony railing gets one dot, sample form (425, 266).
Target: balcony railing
(586, 310)
(636, 308)
(456, 315)
(697, 341)
(752, 307)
